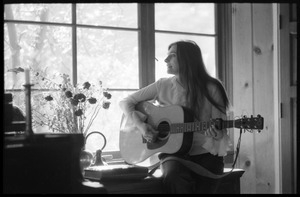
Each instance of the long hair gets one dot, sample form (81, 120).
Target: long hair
(195, 78)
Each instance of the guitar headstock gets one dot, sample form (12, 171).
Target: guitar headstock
(250, 123)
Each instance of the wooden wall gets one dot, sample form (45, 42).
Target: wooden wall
(252, 37)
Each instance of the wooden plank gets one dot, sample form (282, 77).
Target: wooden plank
(276, 93)
(263, 98)
(243, 89)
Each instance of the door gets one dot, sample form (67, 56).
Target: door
(288, 97)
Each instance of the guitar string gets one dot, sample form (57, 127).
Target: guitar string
(200, 126)
(195, 126)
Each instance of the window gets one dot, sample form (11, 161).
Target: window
(115, 43)
(41, 37)
(194, 21)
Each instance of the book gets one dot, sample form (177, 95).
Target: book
(115, 172)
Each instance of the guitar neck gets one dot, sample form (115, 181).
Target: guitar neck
(199, 126)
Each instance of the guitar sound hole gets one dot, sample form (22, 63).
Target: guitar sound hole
(163, 129)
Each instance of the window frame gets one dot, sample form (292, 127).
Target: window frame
(222, 45)
(146, 41)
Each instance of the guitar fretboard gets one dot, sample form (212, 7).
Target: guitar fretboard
(199, 126)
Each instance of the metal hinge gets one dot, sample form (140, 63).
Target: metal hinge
(280, 21)
(233, 9)
(281, 110)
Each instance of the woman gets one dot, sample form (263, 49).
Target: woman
(191, 87)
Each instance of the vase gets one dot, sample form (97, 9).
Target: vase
(87, 158)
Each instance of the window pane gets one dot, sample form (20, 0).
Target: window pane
(108, 55)
(36, 98)
(41, 48)
(185, 17)
(60, 13)
(108, 122)
(162, 41)
(108, 14)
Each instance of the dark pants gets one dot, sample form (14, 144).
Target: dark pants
(179, 179)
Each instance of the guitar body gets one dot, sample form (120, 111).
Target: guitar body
(135, 149)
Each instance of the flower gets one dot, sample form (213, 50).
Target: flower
(92, 100)
(105, 105)
(49, 98)
(107, 95)
(68, 94)
(68, 109)
(86, 85)
(78, 112)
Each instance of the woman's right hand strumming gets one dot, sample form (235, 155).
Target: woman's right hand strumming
(148, 132)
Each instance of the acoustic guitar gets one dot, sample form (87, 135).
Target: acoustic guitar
(175, 125)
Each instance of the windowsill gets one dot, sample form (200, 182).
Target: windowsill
(153, 184)
(114, 157)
